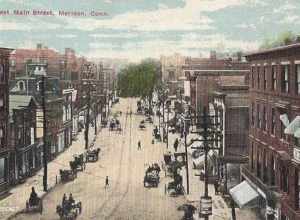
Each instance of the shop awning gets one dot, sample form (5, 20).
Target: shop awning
(293, 126)
(244, 195)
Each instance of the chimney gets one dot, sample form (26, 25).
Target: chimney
(239, 56)
(39, 46)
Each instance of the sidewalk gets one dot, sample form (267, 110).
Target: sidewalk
(196, 186)
(15, 202)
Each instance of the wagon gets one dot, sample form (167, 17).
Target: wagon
(67, 175)
(151, 179)
(69, 211)
(92, 155)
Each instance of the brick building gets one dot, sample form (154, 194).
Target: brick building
(231, 106)
(5, 146)
(204, 74)
(274, 162)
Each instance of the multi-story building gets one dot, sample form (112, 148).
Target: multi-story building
(273, 171)
(204, 74)
(5, 146)
(23, 135)
(231, 108)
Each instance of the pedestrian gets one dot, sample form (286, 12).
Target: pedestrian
(139, 145)
(71, 200)
(106, 182)
(176, 144)
(64, 199)
(216, 185)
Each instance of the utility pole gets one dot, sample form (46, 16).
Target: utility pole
(206, 200)
(87, 122)
(168, 107)
(45, 150)
(96, 114)
(186, 158)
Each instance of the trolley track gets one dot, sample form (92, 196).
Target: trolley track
(105, 204)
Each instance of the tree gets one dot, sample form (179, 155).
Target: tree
(283, 38)
(139, 80)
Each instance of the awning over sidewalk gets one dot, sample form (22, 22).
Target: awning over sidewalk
(244, 195)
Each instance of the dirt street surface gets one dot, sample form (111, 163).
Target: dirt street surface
(125, 198)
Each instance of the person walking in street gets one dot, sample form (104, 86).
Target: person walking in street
(176, 144)
(106, 182)
(139, 145)
(216, 186)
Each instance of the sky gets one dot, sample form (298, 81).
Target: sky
(136, 29)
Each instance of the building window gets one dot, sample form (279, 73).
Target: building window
(2, 170)
(1, 102)
(2, 136)
(258, 116)
(273, 122)
(264, 119)
(265, 167)
(285, 179)
(274, 78)
(297, 176)
(2, 73)
(265, 78)
(272, 174)
(258, 168)
(298, 79)
(252, 114)
(285, 78)
(252, 77)
(252, 154)
(258, 77)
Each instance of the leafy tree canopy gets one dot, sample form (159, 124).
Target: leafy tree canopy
(139, 80)
(282, 39)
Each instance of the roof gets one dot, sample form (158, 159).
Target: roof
(19, 102)
(286, 47)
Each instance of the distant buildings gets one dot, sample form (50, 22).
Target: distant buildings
(171, 71)
(5, 146)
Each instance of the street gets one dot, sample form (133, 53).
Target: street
(125, 165)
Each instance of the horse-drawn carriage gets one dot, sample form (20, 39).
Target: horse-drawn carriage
(69, 210)
(149, 119)
(78, 163)
(175, 187)
(156, 134)
(171, 167)
(151, 178)
(34, 203)
(92, 155)
(67, 175)
(142, 125)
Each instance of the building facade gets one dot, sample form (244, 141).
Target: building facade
(23, 135)
(5, 146)
(274, 162)
(204, 74)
